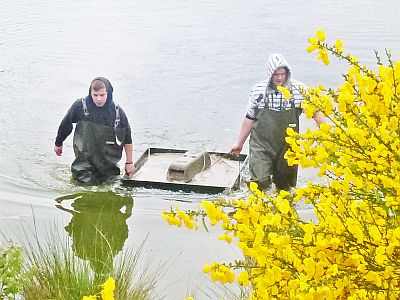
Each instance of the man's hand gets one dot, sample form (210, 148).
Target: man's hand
(129, 169)
(58, 150)
(235, 150)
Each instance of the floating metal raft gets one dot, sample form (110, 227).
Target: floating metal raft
(188, 171)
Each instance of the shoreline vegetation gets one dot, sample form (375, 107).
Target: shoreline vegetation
(51, 270)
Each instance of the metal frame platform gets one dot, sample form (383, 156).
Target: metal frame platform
(153, 164)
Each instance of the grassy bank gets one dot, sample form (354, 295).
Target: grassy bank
(51, 270)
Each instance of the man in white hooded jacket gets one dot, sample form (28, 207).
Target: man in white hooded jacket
(268, 116)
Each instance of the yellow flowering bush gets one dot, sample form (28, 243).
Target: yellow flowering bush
(352, 251)
(107, 292)
(285, 91)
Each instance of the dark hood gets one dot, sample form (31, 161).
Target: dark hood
(109, 90)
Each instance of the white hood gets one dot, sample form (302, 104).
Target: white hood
(276, 61)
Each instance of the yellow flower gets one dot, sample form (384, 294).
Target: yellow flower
(285, 91)
(309, 266)
(334, 242)
(320, 35)
(225, 237)
(109, 285)
(243, 278)
(313, 44)
(375, 234)
(253, 186)
(338, 46)
(323, 55)
(284, 206)
(108, 289)
(206, 268)
(352, 59)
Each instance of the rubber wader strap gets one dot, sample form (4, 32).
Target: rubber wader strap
(266, 99)
(85, 110)
(117, 117)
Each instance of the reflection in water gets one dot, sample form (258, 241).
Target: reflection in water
(98, 226)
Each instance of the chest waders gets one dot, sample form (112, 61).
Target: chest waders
(267, 147)
(98, 149)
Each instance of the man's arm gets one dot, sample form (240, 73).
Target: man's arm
(65, 128)
(244, 133)
(129, 166)
(128, 145)
(255, 96)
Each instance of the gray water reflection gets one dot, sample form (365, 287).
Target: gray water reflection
(182, 70)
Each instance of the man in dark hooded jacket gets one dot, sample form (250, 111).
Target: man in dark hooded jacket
(268, 116)
(102, 131)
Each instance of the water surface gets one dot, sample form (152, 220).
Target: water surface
(182, 70)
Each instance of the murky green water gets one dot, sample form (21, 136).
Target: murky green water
(182, 71)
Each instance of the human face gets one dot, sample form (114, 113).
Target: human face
(99, 97)
(279, 77)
